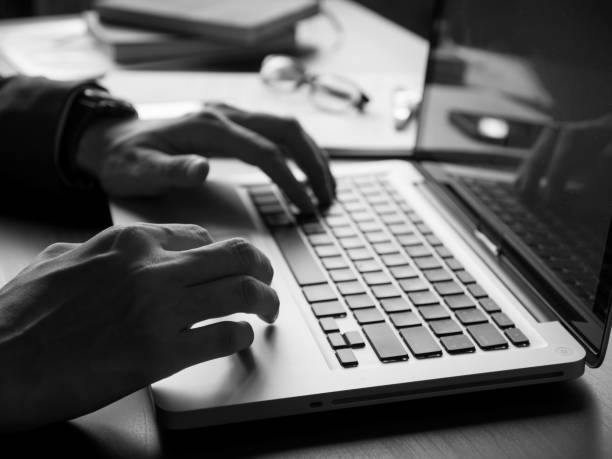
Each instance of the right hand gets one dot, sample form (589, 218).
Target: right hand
(87, 324)
(570, 160)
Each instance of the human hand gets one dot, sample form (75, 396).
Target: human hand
(571, 159)
(86, 324)
(144, 158)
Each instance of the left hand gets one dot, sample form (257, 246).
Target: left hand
(132, 158)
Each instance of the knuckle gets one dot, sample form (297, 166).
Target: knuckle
(245, 253)
(291, 125)
(198, 231)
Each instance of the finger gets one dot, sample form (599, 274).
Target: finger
(168, 236)
(213, 341)
(532, 169)
(230, 295)
(560, 166)
(57, 249)
(214, 134)
(232, 257)
(302, 148)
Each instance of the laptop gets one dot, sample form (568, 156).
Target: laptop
(424, 278)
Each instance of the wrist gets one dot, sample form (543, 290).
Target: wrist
(94, 111)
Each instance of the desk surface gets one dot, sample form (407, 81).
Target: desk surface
(562, 420)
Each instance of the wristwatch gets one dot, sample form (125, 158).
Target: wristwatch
(91, 105)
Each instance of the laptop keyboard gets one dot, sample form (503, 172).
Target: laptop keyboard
(568, 247)
(371, 256)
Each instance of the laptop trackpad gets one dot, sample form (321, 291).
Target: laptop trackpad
(217, 206)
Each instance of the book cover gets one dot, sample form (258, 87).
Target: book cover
(131, 45)
(243, 22)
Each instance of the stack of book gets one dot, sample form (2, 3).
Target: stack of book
(214, 31)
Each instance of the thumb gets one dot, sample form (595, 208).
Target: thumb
(183, 171)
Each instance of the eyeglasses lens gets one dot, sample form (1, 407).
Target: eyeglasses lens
(282, 72)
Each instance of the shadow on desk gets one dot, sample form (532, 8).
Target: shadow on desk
(555, 420)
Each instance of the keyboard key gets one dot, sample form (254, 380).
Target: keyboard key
(423, 298)
(417, 251)
(333, 210)
(434, 312)
(384, 208)
(471, 316)
(337, 221)
(336, 340)
(378, 236)
(502, 320)
(459, 302)
(334, 263)
(401, 229)
(265, 198)
(477, 290)
(413, 285)
(433, 240)
(328, 309)
(362, 216)
(423, 228)
(344, 231)
(271, 208)
(385, 291)
(320, 292)
(516, 337)
(392, 219)
(385, 248)
(359, 301)
(420, 342)
(278, 220)
(465, 277)
(312, 228)
(354, 339)
(445, 327)
(437, 275)
(395, 304)
(443, 251)
(368, 316)
(341, 275)
(359, 254)
(350, 287)
(489, 305)
(457, 344)
(448, 288)
(403, 272)
(328, 325)
(366, 266)
(320, 239)
(394, 260)
(427, 263)
(386, 345)
(487, 337)
(377, 278)
(302, 263)
(368, 227)
(355, 207)
(454, 264)
(351, 242)
(408, 240)
(404, 319)
(324, 251)
(347, 358)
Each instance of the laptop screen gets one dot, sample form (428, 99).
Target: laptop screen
(527, 85)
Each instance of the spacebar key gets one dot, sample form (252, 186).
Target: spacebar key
(301, 261)
(387, 346)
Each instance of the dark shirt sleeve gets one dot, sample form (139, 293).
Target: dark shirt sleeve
(33, 113)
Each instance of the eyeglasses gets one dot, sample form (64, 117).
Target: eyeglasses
(328, 92)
